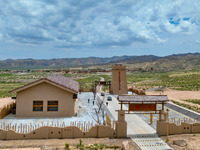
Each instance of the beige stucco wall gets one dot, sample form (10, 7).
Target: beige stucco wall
(196, 128)
(177, 129)
(44, 91)
(45, 132)
(115, 80)
(105, 131)
(93, 132)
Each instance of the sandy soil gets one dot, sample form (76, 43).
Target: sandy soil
(192, 141)
(5, 101)
(59, 144)
(179, 96)
(21, 149)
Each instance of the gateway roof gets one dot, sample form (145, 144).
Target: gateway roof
(143, 98)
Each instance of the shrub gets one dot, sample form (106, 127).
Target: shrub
(67, 146)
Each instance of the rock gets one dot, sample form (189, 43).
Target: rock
(181, 143)
(125, 145)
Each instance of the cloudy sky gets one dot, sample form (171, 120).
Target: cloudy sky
(81, 28)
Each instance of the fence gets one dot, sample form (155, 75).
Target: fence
(178, 126)
(179, 121)
(46, 130)
(29, 127)
(58, 130)
(5, 110)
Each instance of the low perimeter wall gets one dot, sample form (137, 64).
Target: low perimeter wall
(173, 128)
(117, 129)
(46, 132)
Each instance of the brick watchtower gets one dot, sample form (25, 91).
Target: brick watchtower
(119, 82)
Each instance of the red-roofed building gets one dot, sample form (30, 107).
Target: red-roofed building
(53, 96)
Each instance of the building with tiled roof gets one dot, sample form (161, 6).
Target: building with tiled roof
(53, 96)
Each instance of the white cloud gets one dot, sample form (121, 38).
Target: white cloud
(94, 23)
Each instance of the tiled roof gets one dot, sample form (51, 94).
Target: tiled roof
(143, 98)
(56, 79)
(64, 81)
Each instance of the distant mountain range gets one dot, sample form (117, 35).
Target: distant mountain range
(178, 61)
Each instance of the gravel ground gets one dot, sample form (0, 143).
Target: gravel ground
(192, 141)
(59, 144)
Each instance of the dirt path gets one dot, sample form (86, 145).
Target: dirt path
(179, 96)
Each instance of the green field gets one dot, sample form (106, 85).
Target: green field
(10, 81)
(194, 101)
(182, 80)
(189, 81)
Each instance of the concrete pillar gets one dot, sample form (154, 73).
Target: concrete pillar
(161, 127)
(121, 115)
(121, 125)
(121, 129)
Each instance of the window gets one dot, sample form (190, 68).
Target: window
(52, 106)
(37, 105)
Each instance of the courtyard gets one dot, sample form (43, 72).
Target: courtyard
(85, 115)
